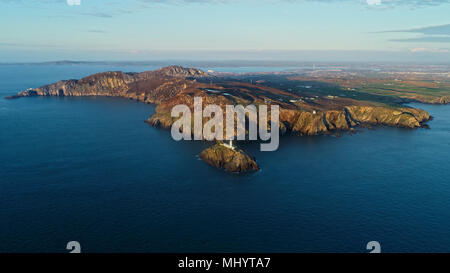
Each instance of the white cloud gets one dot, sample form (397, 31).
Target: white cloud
(374, 2)
(73, 2)
(429, 50)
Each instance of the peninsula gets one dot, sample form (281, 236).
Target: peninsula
(307, 107)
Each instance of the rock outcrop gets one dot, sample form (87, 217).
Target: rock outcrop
(311, 123)
(231, 160)
(399, 117)
(441, 100)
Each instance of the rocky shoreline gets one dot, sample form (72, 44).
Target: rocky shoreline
(320, 123)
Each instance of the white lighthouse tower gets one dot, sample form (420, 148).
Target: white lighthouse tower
(229, 144)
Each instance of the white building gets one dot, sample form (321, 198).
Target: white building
(229, 145)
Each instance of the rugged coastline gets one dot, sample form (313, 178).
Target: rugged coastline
(300, 114)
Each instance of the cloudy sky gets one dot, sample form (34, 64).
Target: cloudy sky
(311, 30)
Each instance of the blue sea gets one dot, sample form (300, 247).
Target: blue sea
(90, 170)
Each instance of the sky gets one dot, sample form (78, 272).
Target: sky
(303, 30)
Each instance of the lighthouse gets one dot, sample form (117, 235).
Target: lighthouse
(229, 145)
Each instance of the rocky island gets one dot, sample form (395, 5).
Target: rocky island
(229, 158)
(303, 111)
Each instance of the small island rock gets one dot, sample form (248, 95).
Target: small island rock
(232, 160)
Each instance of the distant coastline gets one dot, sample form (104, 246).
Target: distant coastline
(353, 65)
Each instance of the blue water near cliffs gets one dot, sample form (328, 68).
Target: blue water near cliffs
(91, 170)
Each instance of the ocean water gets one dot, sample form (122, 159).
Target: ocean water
(90, 170)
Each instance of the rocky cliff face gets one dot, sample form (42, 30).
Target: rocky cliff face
(102, 84)
(441, 100)
(428, 99)
(150, 86)
(399, 117)
(310, 123)
(234, 161)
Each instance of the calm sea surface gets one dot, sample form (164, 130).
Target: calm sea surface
(91, 170)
